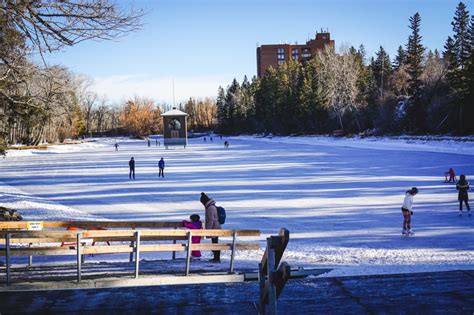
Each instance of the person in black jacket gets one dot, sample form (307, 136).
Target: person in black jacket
(131, 165)
(462, 187)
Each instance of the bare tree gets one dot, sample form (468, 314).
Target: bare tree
(338, 80)
(50, 25)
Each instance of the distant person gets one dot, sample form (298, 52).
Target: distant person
(195, 224)
(131, 165)
(161, 166)
(407, 211)
(156, 142)
(212, 222)
(220, 136)
(149, 143)
(116, 145)
(226, 144)
(210, 138)
(462, 187)
(205, 140)
(451, 174)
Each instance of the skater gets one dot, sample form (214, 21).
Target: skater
(220, 136)
(156, 142)
(116, 145)
(161, 166)
(462, 187)
(131, 165)
(210, 138)
(452, 176)
(205, 139)
(212, 223)
(407, 210)
(149, 143)
(194, 224)
(226, 144)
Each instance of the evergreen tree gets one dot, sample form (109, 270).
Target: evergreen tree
(415, 58)
(382, 69)
(449, 56)
(221, 111)
(400, 58)
(462, 51)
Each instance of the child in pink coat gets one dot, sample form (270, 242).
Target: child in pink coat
(195, 224)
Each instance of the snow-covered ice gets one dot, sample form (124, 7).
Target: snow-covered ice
(340, 198)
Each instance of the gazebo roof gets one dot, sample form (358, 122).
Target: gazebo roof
(174, 112)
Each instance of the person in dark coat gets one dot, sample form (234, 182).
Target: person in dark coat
(462, 187)
(212, 222)
(131, 165)
(161, 166)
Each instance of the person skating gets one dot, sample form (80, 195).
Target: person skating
(131, 165)
(451, 174)
(407, 211)
(116, 145)
(161, 166)
(194, 224)
(212, 222)
(462, 187)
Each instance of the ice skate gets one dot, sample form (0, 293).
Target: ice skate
(460, 214)
(404, 232)
(410, 233)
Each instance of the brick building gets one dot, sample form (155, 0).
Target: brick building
(275, 55)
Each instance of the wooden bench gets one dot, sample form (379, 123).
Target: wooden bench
(47, 242)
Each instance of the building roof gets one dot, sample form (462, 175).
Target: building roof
(174, 112)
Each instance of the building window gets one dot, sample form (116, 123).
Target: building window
(280, 62)
(280, 54)
(305, 53)
(294, 53)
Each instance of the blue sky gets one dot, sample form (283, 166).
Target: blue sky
(202, 44)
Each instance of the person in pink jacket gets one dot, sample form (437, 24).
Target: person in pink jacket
(212, 222)
(194, 224)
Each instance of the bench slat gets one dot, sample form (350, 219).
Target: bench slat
(58, 251)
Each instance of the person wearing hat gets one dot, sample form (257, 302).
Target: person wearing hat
(407, 210)
(462, 187)
(212, 222)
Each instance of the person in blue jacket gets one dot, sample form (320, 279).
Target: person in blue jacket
(131, 165)
(161, 166)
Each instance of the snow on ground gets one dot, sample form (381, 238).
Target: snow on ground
(340, 198)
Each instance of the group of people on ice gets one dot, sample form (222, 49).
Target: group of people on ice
(131, 166)
(462, 186)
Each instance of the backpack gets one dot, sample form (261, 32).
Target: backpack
(221, 214)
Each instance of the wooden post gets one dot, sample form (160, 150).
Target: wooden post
(7, 257)
(188, 253)
(261, 281)
(272, 306)
(174, 253)
(132, 246)
(232, 254)
(79, 258)
(137, 252)
(30, 258)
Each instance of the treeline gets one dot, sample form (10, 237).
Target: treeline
(418, 91)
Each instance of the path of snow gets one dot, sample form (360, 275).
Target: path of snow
(340, 198)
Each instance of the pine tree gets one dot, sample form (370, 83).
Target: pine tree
(459, 80)
(221, 111)
(449, 56)
(415, 58)
(382, 69)
(400, 58)
(415, 52)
